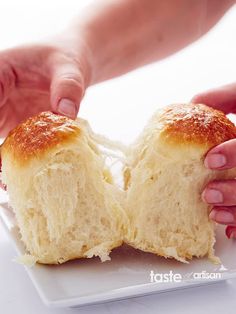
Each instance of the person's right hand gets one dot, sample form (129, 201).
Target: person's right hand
(40, 77)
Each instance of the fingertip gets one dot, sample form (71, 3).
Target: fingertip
(212, 195)
(212, 214)
(215, 161)
(222, 156)
(66, 95)
(222, 216)
(230, 232)
(67, 107)
(197, 99)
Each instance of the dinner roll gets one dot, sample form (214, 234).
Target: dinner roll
(62, 194)
(165, 176)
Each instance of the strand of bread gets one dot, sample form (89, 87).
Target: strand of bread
(67, 205)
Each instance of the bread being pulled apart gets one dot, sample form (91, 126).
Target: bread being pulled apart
(67, 205)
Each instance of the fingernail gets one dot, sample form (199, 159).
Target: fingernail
(214, 161)
(67, 108)
(221, 216)
(212, 196)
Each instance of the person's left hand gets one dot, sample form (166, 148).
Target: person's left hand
(221, 193)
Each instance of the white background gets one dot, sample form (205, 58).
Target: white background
(119, 109)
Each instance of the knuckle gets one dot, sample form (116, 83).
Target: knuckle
(72, 80)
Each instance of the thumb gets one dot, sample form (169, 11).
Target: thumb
(67, 89)
(222, 98)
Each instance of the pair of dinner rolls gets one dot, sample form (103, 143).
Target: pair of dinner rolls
(67, 205)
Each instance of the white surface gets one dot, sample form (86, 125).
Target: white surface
(109, 107)
(88, 281)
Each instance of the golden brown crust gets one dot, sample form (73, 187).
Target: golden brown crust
(38, 134)
(196, 124)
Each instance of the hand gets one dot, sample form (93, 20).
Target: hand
(222, 193)
(41, 77)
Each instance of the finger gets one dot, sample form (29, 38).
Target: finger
(220, 193)
(222, 98)
(224, 215)
(7, 81)
(230, 232)
(67, 89)
(222, 156)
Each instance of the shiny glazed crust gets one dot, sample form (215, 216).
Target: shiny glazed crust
(195, 124)
(37, 135)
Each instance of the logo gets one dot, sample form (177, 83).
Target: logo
(177, 277)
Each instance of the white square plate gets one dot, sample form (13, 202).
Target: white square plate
(88, 281)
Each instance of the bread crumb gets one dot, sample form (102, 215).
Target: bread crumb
(26, 260)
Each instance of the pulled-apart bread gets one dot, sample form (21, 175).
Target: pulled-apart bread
(165, 176)
(61, 191)
(67, 206)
